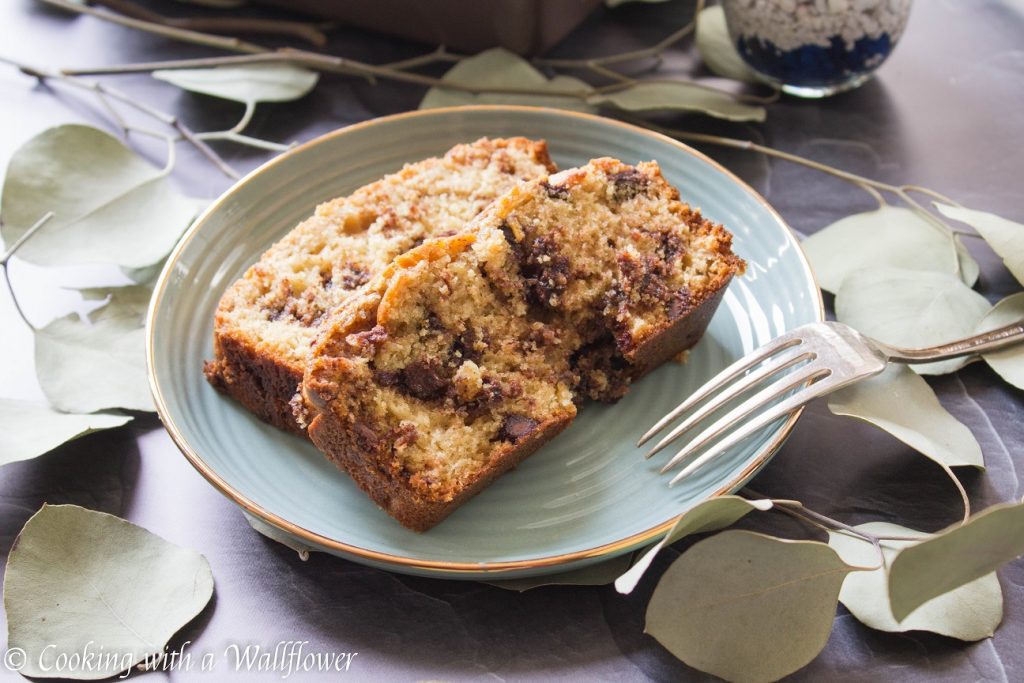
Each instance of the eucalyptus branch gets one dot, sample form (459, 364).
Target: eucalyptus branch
(931, 193)
(869, 185)
(105, 91)
(180, 34)
(309, 32)
(631, 56)
(441, 54)
(394, 72)
(234, 134)
(797, 509)
(5, 259)
(611, 73)
(246, 140)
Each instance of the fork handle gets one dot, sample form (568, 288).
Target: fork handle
(980, 343)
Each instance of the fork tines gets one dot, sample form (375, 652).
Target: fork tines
(767, 362)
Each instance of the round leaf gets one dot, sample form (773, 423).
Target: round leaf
(88, 366)
(1009, 363)
(911, 309)
(679, 96)
(709, 515)
(902, 403)
(246, 84)
(747, 607)
(955, 557)
(110, 206)
(28, 429)
(890, 236)
(499, 68)
(716, 48)
(1004, 236)
(79, 580)
(970, 612)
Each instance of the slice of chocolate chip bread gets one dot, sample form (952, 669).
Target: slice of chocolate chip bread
(469, 352)
(267, 320)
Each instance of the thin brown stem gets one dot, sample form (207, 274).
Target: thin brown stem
(441, 54)
(11, 251)
(326, 63)
(103, 90)
(935, 222)
(797, 509)
(611, 73)
(632, 55)
(205, 149)
(14, 298)
(33, 229)
(931, 193)
(311, 33)
(740, 97)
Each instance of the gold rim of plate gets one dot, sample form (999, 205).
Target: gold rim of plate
(435, 566)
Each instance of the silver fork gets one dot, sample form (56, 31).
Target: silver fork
(830, 356)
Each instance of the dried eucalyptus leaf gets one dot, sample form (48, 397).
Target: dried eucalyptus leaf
(890, 236)
(747, 607)
(85, 366)
(709, 515)
(597, 574)
(682, 97)
(110, 206)
(716, 48)
(1004, 236)
(82, 580)
(28, 429)
(970, 612)
(955, 557)
(901, 402)
(500, 68)
(1009, 363)
(911, 308)
(246, 84)
(275, 534)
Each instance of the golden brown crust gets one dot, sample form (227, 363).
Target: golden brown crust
(267, 320)
(371, 465)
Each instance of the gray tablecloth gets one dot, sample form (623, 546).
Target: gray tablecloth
(945, 112)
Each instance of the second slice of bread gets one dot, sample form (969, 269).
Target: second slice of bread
(468, 353)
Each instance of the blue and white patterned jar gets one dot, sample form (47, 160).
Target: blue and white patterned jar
(815, 48)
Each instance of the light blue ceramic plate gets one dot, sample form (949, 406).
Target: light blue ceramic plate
(586, 496)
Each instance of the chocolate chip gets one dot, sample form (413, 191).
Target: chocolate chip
(516, 427)
(404, 434)
(555, 191)
(681, 303)
(424, 379)
(433, 322)
(354, 276)
(465, 346)
(368, 338)
(510, 235)
(387, 378)
(628, 184)
(545, 271)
